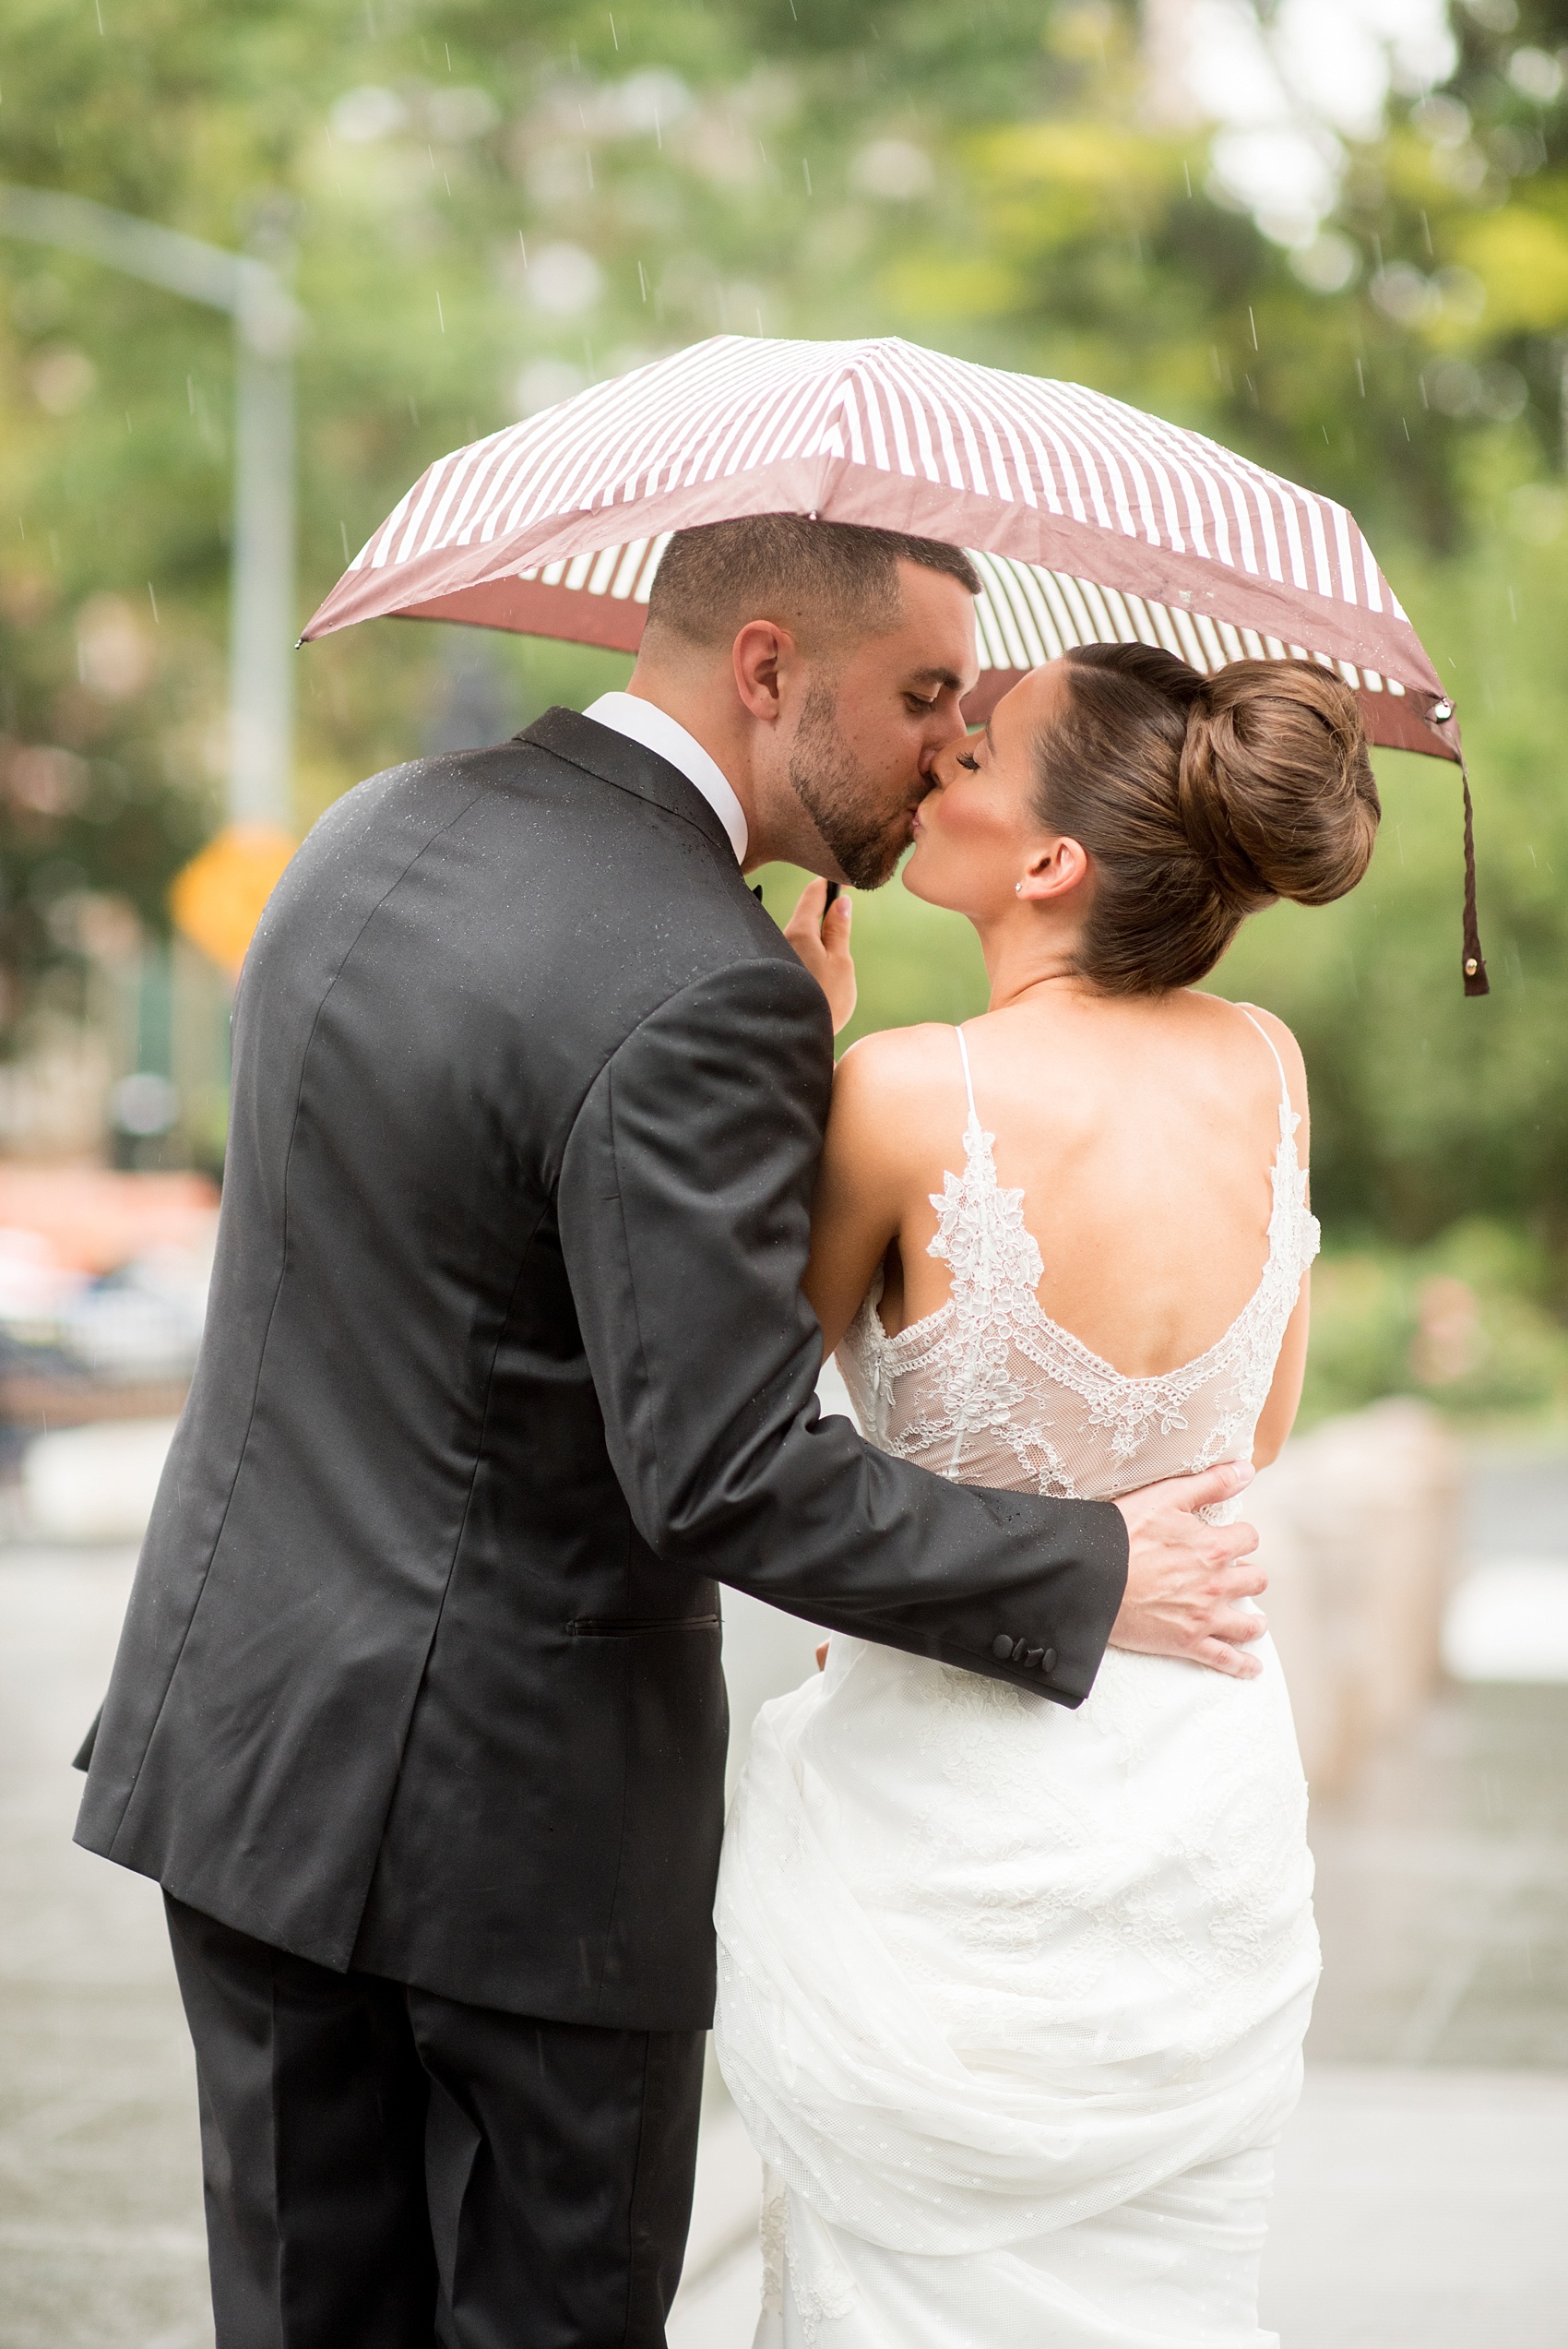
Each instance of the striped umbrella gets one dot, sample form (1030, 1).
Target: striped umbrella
(1089, 522)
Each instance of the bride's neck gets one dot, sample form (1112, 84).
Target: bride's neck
(1027, 953)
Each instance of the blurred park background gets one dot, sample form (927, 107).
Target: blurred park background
(1334, 233)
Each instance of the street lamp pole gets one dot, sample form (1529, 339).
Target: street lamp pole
(266, 328)
(261, 610)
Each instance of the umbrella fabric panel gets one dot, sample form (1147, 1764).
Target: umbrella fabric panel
(598, 598)
(1025, 616)
(882, 433)
(1029, 616)
(733, 405)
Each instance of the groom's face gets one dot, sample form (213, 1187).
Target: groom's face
(872, 720)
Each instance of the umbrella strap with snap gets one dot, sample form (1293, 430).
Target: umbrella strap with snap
(1476, 980)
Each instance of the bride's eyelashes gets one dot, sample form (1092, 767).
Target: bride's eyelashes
(964, 759)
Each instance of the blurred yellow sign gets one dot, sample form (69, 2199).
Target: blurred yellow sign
(216, 900)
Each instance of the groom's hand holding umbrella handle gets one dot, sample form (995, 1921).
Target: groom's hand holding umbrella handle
(1186, 1579)
(819, 930)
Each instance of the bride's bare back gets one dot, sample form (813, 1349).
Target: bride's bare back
(1142, 1132)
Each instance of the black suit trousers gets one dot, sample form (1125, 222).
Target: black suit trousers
(389, 2169)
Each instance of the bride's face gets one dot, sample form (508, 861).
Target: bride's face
(977, 834)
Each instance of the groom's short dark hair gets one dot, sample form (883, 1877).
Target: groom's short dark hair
(819, 579)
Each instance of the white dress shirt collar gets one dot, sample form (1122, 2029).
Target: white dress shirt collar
(643, 721)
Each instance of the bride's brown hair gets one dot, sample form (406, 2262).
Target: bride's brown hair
(1201, 800)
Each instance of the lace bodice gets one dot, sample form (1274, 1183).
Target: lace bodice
(989, 1390)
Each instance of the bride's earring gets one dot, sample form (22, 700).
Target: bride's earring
(1017, 888)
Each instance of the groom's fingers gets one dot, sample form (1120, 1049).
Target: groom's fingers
(1188, 1581)
(1240, 1625)
(1226, 1545)
(1248, 1582)
(1219, 1656)
(1210, 1486)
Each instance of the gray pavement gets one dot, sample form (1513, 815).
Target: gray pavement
(100, 2230)
(1442, 1891)
(1442, 1875)
(1421, 2210)
(1421, 2187)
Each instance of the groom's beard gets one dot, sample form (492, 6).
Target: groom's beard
(865, 842)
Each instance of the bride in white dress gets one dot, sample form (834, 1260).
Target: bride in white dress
(1012, 1996)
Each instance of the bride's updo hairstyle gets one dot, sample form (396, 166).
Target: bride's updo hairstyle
(1200, 800)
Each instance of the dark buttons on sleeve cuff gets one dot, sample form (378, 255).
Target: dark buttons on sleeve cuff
(1019, 1651)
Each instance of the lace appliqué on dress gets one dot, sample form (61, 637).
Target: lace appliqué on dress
(771, 2226)
(821, 2287)
(990, 1389)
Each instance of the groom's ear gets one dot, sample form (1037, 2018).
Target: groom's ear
(760, 656)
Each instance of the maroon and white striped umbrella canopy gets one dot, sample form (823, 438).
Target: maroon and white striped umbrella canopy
(1091, 521)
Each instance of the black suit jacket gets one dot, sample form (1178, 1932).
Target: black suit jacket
(506, 1367)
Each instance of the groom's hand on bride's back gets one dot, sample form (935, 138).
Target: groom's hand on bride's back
(1186, 1579)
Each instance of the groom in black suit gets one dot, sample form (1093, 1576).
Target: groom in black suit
(418, 1715)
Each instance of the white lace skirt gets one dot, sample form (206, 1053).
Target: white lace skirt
(1012, 2001)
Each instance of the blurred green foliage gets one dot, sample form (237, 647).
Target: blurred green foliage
(912, 961)
(1461, 1322)
(482, 208)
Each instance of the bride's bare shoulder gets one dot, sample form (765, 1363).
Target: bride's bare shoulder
(1285, 1044)
(890, 1089)
(899, 1065)
(1282, 1038)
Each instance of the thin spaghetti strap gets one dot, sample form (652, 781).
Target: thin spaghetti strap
(1285, 1101)
(969, 1080)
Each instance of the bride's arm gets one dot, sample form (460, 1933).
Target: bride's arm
(865, 1175)
(1278, 1415)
